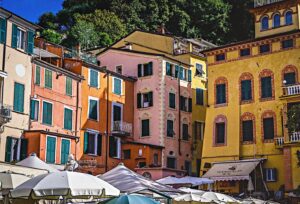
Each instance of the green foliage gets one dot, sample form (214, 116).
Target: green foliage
(52, 36)
(48, 21)
(293, 123)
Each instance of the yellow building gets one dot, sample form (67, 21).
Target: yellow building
(251, 86)
(187, 51)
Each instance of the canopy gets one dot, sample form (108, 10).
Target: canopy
(128, 181)
(232, 170)
(66, 184)
(34, 162)
(9, 180)
(194, 181)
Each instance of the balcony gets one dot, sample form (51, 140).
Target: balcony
(291, 90)
(121, 128)
(279, 142)
(5, 114)
(258, 3)
(295, 137)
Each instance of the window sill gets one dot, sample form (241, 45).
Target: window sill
(145, 77)
(268, 140)
(248, 143)
(220, 145)
(94, 87)
(267, 99)
(221, 105)
(247, 101)
(145, 108)
(18, 112)
(92, 155)
(186, 141)
(145, 137)
(199, 104)
(94, 120)
(171, 138)
(49, 88)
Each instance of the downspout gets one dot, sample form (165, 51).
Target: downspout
(76, 117)
(179, 116)
(107, 112)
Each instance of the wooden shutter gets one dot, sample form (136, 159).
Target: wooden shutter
(246, 90)
(48, 78)
(150, 94)
(14, 38)
(65, 151)
(145, 127)
(139, 70)
(69, 86)
(8, 149)
(19, 97)
(139, 100)
(247, 128)
(68, 119)
(168, 69)
(86, 142)
(268, 124)
(199, 96)
(266, 86)
(176, 71)
(32, 109)
(2, 30)
(170, 128)
(181, 70)
(112, 146)
(117, 86)
(99, 145)
(221, 93)
(190, 105)
(24, 147)
(30, 42)
(51, 149)
(150, 68)
(47, 113)
(189, 75)
(93, 109)
(181, 103)
(37, 75)
(220, 133)
(290, 78)
(171, 100)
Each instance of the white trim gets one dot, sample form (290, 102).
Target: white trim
(43, 112)
(47, 147)
(113, 85)
(112, 113)
(61, 147)
(98, 103)
(66, 107)
(89, 78)
(96, 135)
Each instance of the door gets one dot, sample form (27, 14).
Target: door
(65, 151)
(51, 148)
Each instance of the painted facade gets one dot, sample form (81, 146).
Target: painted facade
(265, 64)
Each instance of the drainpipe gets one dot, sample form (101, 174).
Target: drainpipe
(76, 117)
(179, 115)
(107, 112)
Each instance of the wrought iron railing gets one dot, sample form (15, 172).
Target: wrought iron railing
(120, 126)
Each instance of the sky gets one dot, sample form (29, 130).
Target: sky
(31, 9)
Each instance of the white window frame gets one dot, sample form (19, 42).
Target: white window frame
(39, 101)
(112, 113)
(43, 111)
(66, 107)
(269, 171)
(98, 102)
(61, 147)
(119, 147)
(113, 85)
(19, 29)
(47, 147)
(89, 81)
(96, 134)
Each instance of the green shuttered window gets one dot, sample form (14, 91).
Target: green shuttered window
(93, 109)
(65, 151)
(199, 97)
(68, 119)
(37, 79)
(246, 90)
(220, 133)
(51, 149)
(268, 124)
(14, 39)
(221, 93)
(2, 30)
(8, 149)
(94, 78)
(170, 128)
(68, 86)
(247, 128)
(117, 89)
(266, 87)
(34, 109)
(145, 69)
(172, 103)
(30, 42)
(48, 78)
(19, 97)
(47, 113)
(145, 127)
(185, 132)
(290, 78)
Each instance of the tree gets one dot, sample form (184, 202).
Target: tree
(293, 115)
(48, 21)
(52, 36)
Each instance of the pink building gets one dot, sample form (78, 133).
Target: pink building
(162, 108)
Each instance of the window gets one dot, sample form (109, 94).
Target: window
(114, 147)
(264, 48)
(171, 162)
(92, 143)
(37, 79)
(244, 52)
(145, 127)
(34, 109)
(145, 69)
(172, 100)
(68, 119)
(270, 175)
(119, 69)
(21, 41)
(287, 43)
(170, 128)
(266, 87)
(47, 113)
(221, 93)
(247, 130)
(65, 151)
(93, 108)
(290, 78)
(199, 97)
(144, 100)
(185, 132)
(199, 130)
(93, 78)
(19, 97)
(220, 133)
(268, 126)
(169, 69)
(2, 30)
(199, 70)
(289, 18)
(265, 23)
(142, 164)
(51, 150)
(220, 57)
(276, 20)
(188, 167)
(15, 149)
(155, 159)
(48, 78)
(185, 104)
(127, 154)
(117, 117)
(68, 86)
(117, 86)
(246, 86)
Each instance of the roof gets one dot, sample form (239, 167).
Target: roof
(232, 170)
(194, 181)
(53, 133)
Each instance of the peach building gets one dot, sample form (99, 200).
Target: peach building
(162, 110)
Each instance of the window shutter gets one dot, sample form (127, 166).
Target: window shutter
(190, 105)
(30, 42)
(268, 124)
(8, 149)
(24, 147)
(181, 103)
(176, 71)
(112, 146)
(2, 30)
(117, 86)
(265, 174)
(199, 96)
(68, 119)
(48, 78)
(150, 98)
(150, 68)
(85, 142)
(139, 100)
(221, 93)
(181, 73)
(275, 174)
(246, 90)
(99, 145)
(266, 87)
(32, 109)
(168, 69)
(139, 70)
(47, 113)
(37, 75)
(69, 86)
(171, 100)
(189, 75)
(93, 109)
(14, 38)
(290, 78)
(19, 97)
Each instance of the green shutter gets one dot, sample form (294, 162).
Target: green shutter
(93, 111)
(65, 151)
(19, 97)
(30, 42)
(190, 105)
(266, 86)
(181, 70)
(33, 111)
(8, 149)
(176, 71)
(247, 127)
(168, 69)
(24, 147)
(189, 75)
(93, 78)
(37, 75)
(268, 126)
(139, 70)
(68, 119)
(150, 68)
(221, 93)
(2, 30)
(246, 90)
(99, 149)
(85, 142)
(145, 128)
(68, 86)
(171, 100)
(139, 100)
(117, 86)
(150, 94)
(48, 78)
(199, 96)
(14, 38)
(51, 149)
(47, 113)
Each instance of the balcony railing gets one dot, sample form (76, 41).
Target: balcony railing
(295, 137)
(122, 127)
(279, 141)
(291, 90)
(258, 3)
(5, 114)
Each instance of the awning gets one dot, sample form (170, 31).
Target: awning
(194, 181)
(232, 170)
(44, 53)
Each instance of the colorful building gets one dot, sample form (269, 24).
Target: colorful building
(16, 48)
(252, 85)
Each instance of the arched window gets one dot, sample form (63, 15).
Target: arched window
(289, 75)
(267, 91)
(247, 128)
(246, 88)
(276, 20)
(289, 18)
(221, 91)
(269, 129)
(265, 23)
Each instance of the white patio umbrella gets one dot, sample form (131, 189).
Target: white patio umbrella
(34, 162)
(190, 190)
(190, 197)
(10, 180)
(65, 185)
(219, 197)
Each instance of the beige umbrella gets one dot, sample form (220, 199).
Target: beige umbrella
(10, 180)
(219, 197)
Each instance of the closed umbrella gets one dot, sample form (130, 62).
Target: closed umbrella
(64, 184)
(131, 199)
